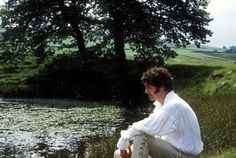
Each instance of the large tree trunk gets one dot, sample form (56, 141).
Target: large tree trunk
(79, 37)
(72, 19)
(121, 63)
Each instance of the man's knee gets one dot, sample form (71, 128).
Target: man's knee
(140, 138)
(149, 136)
(140, 147)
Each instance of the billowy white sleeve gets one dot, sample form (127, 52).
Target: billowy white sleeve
(126, 135)
(158, 123)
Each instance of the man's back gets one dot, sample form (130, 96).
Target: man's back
(187, 136)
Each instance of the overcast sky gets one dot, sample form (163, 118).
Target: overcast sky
(224, 23)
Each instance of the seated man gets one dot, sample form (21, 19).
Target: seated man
(171, 131)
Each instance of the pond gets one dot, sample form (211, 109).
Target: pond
(60, 128)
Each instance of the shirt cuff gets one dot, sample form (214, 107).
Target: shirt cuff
(126, 135)
(123, 142)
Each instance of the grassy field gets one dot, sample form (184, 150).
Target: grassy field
(202, 56)
(12, 81)
(205, 77)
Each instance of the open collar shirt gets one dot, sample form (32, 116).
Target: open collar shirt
(174, 122)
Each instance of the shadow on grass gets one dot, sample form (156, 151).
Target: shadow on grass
(189, 76)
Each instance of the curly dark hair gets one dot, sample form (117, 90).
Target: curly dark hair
(158, 77)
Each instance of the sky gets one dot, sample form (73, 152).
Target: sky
(223, 25)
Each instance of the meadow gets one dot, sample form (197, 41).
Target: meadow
(205, 78)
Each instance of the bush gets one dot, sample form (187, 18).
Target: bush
(87, 76)
(75, 76)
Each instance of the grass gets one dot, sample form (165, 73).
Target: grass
(210, 79)
(210, 71)
(202, 57)
(229, 153)
(22, 70)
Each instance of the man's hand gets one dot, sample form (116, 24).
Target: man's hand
(126, 153)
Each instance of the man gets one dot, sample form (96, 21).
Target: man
(171, 131)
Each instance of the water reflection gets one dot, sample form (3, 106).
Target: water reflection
(58, 128)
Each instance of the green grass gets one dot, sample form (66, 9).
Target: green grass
(205, 57)
(211, 72)
(229, 153)
(23, 69)
(209, 78)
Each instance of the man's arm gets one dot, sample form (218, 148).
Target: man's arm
(159, 123)
(126, 135)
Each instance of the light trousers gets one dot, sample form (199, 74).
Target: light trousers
(145, 146)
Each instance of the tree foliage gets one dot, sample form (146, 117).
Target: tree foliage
(104, 27)
(147, 25)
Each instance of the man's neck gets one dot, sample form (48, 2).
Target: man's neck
(162, 97)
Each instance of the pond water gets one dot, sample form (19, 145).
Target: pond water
(58, 128)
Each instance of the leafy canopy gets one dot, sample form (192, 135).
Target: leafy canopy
(148, 26)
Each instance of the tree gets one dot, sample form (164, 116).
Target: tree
(232, 49)
(30, 23)
(147, 26)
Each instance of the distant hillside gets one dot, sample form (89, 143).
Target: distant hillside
(206, 55)
(209, 69)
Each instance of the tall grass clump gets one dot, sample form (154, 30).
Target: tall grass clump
(104, 148)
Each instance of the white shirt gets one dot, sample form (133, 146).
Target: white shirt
(174, 121)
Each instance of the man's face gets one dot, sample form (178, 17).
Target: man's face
(151, 91)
